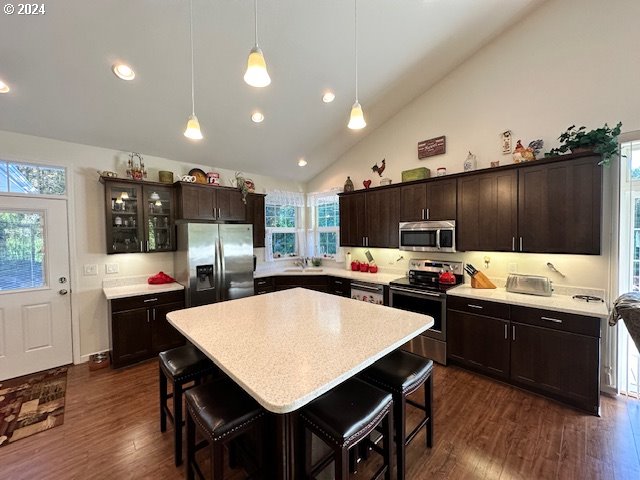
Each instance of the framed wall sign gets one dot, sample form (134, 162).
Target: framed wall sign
(431, 147)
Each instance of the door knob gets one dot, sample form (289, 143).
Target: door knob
(63, 291)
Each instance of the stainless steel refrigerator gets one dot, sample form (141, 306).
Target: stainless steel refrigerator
(214, 262)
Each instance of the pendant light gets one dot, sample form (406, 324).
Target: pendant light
(193, 126)
(356, 120)
(256, 74)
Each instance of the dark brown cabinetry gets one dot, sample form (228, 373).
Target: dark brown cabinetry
(312, 282)
(557, 354)
(559, 207)
(139, 328)
(552, 353)
(435, 200)
(488, 211)
(340, 286)
(255, 216)
(477, 337)
(139, 216)
(206, 202)
(263, 285)
(370, 219)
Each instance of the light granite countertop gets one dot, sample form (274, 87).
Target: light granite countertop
(287, 348)
(122, 287)
(556, 303)
(381, 278)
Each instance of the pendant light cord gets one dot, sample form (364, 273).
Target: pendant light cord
(255, 18)
(355, 40)
(193, 95)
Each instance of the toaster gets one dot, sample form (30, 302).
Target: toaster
(529, 284)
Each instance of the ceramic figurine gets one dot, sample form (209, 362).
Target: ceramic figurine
(379, 169)
(522, 154)
(366, 183)
(470, 163)
(348, 185)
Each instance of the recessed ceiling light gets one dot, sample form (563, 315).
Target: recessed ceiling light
(302, 162)
(257, 117)
(123, 71)
(4, 88)
(328, 97)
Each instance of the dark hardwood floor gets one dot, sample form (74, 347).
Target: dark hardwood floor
(483, 430)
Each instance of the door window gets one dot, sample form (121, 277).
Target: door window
(22, 252)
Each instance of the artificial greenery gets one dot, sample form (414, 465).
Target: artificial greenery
(603, 140)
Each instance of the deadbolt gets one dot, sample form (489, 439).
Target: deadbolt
(62, 279)
(63, 291)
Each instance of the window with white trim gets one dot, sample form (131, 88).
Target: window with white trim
(326, 223)
(283, 224)
(32, 179)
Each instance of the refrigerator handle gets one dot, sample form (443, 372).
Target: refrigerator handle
(223, 284)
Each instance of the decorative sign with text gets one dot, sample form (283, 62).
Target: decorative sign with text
(431, 147)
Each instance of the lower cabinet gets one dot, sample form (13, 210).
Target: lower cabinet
(139, 328)
(263, 285)
(322, 283)
(551, 353)
(340, 286)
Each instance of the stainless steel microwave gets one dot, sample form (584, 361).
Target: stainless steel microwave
(428, 236)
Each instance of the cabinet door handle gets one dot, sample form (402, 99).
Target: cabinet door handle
(549, 319)
(147, 316)
(219, 213)
(506, 333)
(141, 245)
(263, 282)
(150, 300)
(474, 306)
(513, 244)
(363, 242)
(337, 282)
(520, 243)
(367, 241)
(147, 245)
(154, 314)
(513, 332)
(427, 214)
(423, 214)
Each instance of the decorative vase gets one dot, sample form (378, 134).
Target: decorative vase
(470, 162)
(348, 185)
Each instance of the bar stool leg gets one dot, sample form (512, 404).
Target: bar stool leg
(191, 446)
(387, 453)
(400, 407)
(307, 453)
(342, 463)
(163, 401)
(428, 404)
(217, 460)
(177, 422)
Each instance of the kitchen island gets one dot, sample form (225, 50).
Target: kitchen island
(287, 348)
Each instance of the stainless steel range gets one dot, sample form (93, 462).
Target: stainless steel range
(424, 291)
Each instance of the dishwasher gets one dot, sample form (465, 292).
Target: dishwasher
(367, 292)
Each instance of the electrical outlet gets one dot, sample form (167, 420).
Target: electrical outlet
(90, 269)
(111, 268)
(513, 268)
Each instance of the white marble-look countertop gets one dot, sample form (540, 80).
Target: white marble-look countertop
(556, 303)
(286, 348)
(122, 287)
(381, 278)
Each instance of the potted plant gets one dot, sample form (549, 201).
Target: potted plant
(603, 140)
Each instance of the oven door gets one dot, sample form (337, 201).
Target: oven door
(427, 303)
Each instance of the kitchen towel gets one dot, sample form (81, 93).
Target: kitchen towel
(160, 278)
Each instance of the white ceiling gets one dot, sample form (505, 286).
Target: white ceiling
(58, 66)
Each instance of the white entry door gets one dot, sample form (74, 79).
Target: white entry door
(35, 299)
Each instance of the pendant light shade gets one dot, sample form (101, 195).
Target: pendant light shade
(356, 120)
(193, 125)
(193, 128)
(256, 74)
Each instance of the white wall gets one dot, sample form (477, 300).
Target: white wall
(87, 221)
(570, 61)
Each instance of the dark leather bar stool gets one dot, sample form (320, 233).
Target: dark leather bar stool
(342, 418)
(180, 366)
(220, 411)
(402, 373)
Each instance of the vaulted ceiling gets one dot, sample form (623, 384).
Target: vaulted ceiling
(59, 68)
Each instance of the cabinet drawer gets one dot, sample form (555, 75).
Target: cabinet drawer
(340, 286)
(567, 322)
(263, 285)
(301, 280)
(143, 301)
(480, 307)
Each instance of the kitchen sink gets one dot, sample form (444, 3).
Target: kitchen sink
(303, 270)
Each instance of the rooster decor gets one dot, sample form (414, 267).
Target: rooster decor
(379, 169)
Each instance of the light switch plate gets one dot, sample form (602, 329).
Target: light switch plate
(111, 268)
(513, 268)
(90, 269)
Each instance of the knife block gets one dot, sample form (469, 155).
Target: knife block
(480, 280)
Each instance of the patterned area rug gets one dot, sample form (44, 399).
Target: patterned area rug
(31, 404)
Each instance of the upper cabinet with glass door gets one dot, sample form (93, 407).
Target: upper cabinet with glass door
(139, 216)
